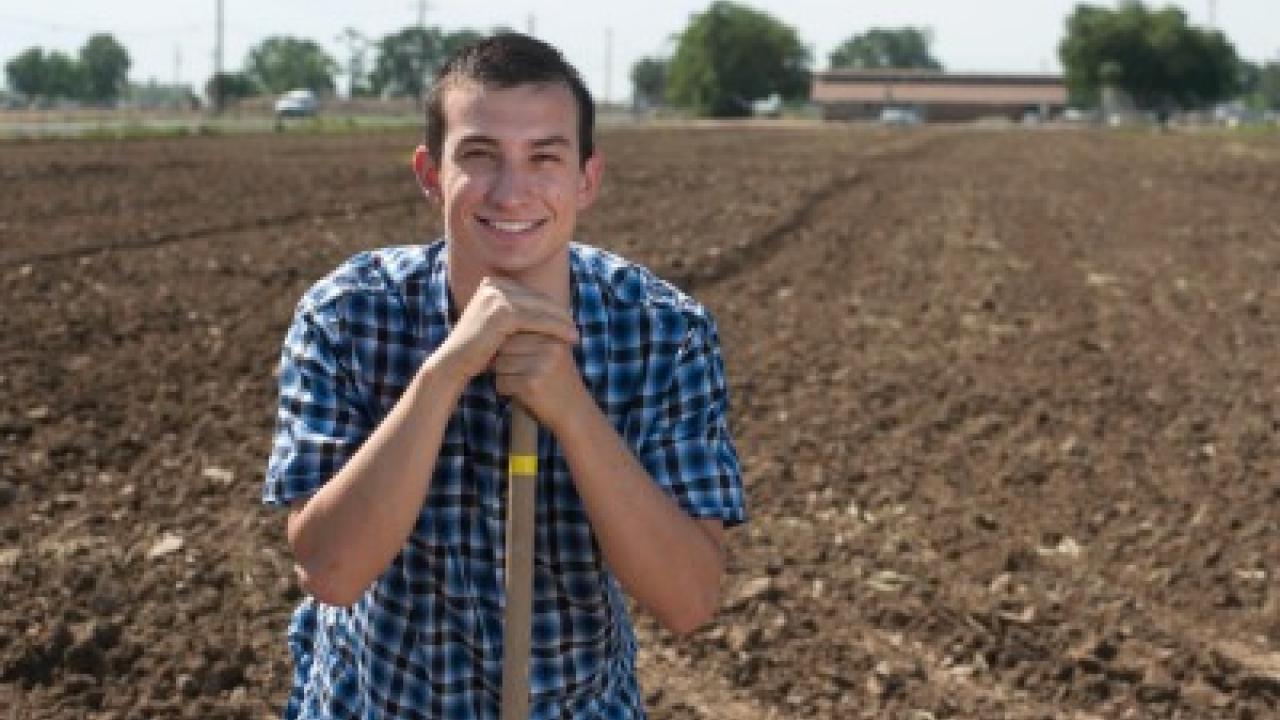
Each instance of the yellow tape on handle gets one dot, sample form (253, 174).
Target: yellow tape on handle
(523, 465)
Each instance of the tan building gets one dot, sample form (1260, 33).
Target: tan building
(936, 96)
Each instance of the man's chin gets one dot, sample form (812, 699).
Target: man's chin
(515, 266)
(510, 259)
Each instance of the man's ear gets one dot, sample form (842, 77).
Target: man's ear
(592, 176)
(426, 171)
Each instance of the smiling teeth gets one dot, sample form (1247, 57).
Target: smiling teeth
(512, 226)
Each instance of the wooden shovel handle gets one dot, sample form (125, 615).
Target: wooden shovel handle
(518, 616)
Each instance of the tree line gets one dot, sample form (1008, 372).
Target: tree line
(97, 74)
(402, 64)
(727, 57)
(732, 54)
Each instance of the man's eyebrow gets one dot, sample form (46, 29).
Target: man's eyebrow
(553, 141)
(477, 140)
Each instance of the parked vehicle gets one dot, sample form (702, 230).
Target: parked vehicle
(900, 116)
(297, 103)
(1081, 115)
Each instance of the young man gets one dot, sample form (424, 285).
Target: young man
(390, 448)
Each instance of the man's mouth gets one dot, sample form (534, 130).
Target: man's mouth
(512, 226)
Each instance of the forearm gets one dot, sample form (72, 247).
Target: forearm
(665, 559)
(347, 534)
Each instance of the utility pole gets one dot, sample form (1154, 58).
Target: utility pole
(608, 63)
(174, 96)
(421, 14)
(1213, 14)
(357, 45)
(426, 53)
(529, 26)
(218, 79)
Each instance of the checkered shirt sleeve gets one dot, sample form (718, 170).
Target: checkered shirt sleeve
(687, 448)
(319, 425)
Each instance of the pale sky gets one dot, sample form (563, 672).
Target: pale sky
(174, 39)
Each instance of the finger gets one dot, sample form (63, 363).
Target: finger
(511, 385)
(513, 364)
(553, 323)
(524, 310)
(529, 343)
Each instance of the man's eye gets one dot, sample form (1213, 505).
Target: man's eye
(543, 158)
(476, 154)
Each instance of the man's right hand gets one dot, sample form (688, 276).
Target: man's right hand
(498, 309)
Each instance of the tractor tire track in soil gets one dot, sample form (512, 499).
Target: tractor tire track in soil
(757, 250)
(204, 233)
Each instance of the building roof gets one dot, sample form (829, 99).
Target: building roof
(916, 86)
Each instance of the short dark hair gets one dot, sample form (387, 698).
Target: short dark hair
(506, 60)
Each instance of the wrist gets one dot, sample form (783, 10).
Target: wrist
(444, 375)
(571, 412)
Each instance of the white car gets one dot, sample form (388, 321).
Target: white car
(900, 116)
(297, 103)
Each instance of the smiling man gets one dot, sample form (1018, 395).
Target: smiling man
(390, 448)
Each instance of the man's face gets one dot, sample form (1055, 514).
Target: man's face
(510, 178)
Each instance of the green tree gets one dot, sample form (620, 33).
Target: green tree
(105, 67)
(731, 55)
(230, 86)
(1154, 56)
(281, 63)
(26, 72)
(649, 80)
(64, 77)
(1250, 74)
(457, 39)
(1269, 85)
(407, 60)
(53, 74)
(905, 47)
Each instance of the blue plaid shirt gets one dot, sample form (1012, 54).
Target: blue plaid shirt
(425, 640)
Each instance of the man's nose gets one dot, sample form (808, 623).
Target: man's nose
(511, 186)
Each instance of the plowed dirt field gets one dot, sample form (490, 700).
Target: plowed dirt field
(1008, 405)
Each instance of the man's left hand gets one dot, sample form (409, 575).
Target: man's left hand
(539, 371)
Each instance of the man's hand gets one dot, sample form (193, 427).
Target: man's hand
(501, 309)
(539, 371)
